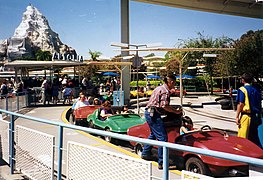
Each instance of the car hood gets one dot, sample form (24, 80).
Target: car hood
(122, 122)
(215, 140)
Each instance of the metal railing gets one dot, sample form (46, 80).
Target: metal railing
(165, 145)
(14, 102)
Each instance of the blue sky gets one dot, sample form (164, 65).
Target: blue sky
(94, 24)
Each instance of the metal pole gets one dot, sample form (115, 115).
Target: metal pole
(125, 38)
(6, 103)
(60, 146)
(11, 145)
(181, 80)
(181, 83)
(165, 163)
(137, 80)
(17, 101)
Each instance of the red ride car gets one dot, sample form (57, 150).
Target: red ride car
(206, 138)
(80, 115)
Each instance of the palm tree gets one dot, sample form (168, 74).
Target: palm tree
(94, 55)
(43, 55)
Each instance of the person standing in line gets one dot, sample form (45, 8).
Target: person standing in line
(67, 94)
(55, 89)
(159, 104)
(44, 90)
(4, 89)
(248, 114)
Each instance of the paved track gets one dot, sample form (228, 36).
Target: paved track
(210, 115)
(54, 114)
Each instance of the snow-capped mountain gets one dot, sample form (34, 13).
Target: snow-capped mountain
(33, 34)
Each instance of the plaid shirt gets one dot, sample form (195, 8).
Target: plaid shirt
(160, 97)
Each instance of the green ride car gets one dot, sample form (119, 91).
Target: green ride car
(118, 123)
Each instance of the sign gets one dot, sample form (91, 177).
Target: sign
(67, 57)
(136, 62)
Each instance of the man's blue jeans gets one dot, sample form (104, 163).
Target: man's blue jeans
(157, 132)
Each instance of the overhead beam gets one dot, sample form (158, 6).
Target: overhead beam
(179, 49)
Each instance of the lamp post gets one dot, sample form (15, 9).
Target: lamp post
(181, 79)
(137, 62)
(210, 68)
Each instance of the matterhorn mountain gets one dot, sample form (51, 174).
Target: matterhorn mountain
(33, 34)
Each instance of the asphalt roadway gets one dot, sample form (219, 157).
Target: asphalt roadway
(203, 111)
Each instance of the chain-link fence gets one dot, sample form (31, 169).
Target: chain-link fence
(87, 162)
(4, 140)
(34, 153)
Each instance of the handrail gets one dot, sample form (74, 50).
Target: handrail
(233, 157)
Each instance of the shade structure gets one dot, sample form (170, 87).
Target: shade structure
(109, 74)
(153, 77)
(185, 76)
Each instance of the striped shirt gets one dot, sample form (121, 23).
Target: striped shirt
(160, 97)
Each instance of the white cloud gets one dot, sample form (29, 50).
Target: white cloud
(83, 15)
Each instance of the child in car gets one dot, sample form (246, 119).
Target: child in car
(187, 125)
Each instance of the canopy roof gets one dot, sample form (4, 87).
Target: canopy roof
(42, 64)
(186, 76)
(109, 74)
(245, 8)
(153, 77)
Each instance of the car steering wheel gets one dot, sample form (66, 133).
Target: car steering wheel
(206, 127)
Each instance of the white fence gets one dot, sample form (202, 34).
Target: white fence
(87, 162)
(4, 139)
(34, 153)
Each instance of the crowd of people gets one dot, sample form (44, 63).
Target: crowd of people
(9, 86)
(61, 88)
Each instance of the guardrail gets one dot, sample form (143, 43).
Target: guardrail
(14, 101)
(165, 145)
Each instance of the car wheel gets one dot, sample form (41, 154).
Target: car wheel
(91, 125)
(107, 138)
(138, 149)
(195, 165)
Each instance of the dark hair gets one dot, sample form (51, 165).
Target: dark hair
(247, 77)
(124, 106)
(187, 119)
(171, 76)
(106, 104)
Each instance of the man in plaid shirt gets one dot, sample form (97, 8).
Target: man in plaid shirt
(158, 105)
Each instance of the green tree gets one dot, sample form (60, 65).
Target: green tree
(193, 58)
(94, 55)
(248, 55)
(173, 59)
(43, 55)
(150, 55)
